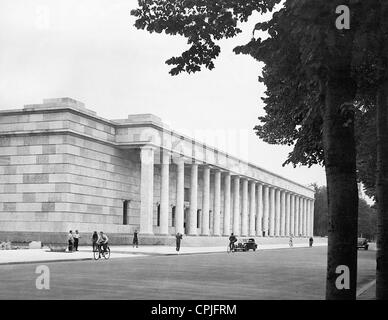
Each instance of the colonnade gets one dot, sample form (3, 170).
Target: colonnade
(242, 205)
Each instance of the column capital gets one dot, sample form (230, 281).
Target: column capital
(178, 160)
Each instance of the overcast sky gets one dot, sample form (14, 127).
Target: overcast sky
(89, 50)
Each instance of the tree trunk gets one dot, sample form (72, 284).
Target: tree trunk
(340, 165)
(382, 192)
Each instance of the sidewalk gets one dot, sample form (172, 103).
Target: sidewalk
(85, 253)
(45, 255)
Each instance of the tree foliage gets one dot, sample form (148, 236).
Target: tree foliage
(366, 215)
(202, 22)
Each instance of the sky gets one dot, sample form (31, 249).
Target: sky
(90, 51)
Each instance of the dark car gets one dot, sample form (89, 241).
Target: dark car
(245, 245)
(250, 244)
(362, 243)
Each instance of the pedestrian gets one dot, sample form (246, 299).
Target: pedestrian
(70, 240)
(76, 240)
(178, 241)
(311, 240)
(232, 240)
(135, 239)
(94, 240)
(291, 241)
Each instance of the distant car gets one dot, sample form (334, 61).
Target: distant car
(362, 243)
(245, 245)
(239, 246)
(250, 244)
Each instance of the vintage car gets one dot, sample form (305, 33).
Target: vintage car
(362, 243)
(246, 245)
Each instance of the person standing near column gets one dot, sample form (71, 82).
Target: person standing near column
(178, 241)
(135, 239)
(76, 240)
(70, 240)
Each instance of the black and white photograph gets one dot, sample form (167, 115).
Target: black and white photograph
(207, 152)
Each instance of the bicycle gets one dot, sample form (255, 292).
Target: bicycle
(229, 250)
(105, 253)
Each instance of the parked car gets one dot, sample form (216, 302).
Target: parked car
(250, 244)
(362, 243)
(246, 245)
(238, 246)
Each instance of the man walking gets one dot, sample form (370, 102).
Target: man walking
(178, 241)
(232, 240)
(311, 240)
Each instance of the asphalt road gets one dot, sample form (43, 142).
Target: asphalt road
(297, 273)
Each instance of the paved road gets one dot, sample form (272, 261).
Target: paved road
(272, 274)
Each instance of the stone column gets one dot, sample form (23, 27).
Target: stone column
(300, 218)
(236, 205)
(306, 214)
(292, 215)
(217, 203)
(259, 210)
(282, 213)
(193, 199)
(288, 214)
(252, 208)
(146, 190)
(277, 212)
(308, 217)
(244, 216)
(304, 217)
(227, 204)
(296, 229)
(164, 192)
(312, 218)
(271, 212)
(205, 201)
(266, 207)
(180, 190)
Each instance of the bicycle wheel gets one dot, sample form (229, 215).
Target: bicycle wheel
(106, 253)
(96, 254)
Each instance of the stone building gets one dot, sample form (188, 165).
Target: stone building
(62, 168)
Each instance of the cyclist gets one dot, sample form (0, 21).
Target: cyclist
(232, 240)
(102, 242)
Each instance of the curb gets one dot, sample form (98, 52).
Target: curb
(43, 261)
(365, 288)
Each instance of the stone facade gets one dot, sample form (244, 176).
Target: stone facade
(64, 168)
